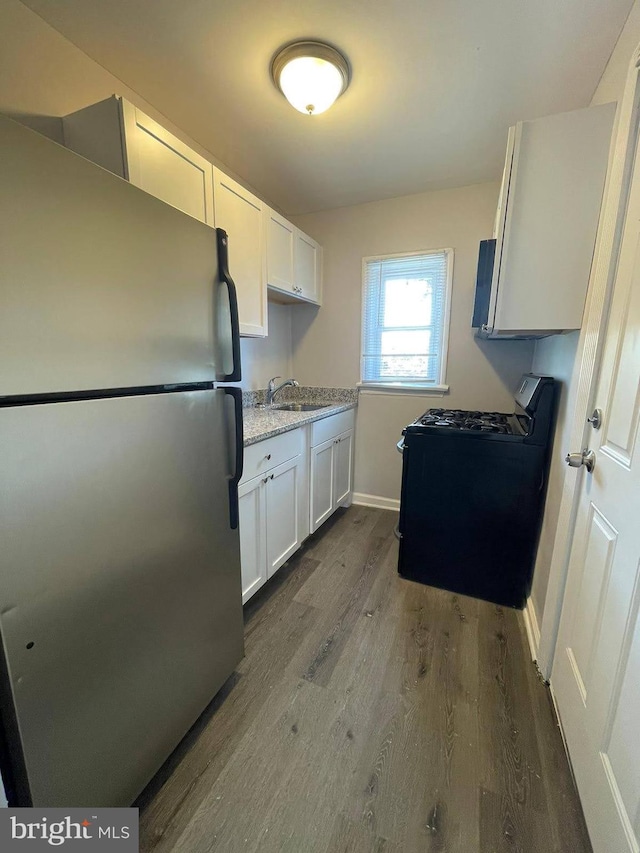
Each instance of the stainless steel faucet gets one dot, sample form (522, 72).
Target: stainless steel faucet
(272, 389)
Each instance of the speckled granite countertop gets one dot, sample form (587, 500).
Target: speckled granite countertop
(265, 422)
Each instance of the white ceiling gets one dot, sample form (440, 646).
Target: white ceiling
(436, 83)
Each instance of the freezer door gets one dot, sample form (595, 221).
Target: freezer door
(103, 285)
(120, 587)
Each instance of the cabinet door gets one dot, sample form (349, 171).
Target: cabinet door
(553, 204)
(283, 519)
(322, 488)
(118, 136)
(240, 214)
(343, 465)
(253, 550)
(308, 267)
(162, 165)
(281, 236)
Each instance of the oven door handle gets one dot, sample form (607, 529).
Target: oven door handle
(400, 445)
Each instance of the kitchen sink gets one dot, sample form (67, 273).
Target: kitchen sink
(301, 407)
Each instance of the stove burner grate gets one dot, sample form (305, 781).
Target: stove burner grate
(491, 422)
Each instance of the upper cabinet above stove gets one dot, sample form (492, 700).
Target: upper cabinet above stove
(545, 227)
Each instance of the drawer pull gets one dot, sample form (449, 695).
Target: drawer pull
(268, 456)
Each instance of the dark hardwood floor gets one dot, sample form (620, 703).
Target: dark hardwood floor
(370, 714)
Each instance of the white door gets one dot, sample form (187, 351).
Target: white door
(283, 518)
(240, 214)
(596, 670)
(322, 489)
(253, 548)
(343, 464)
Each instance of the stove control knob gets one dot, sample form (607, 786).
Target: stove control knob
(577, 460)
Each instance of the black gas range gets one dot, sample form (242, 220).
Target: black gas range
(473, 486)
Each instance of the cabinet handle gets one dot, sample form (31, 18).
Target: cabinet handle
(271, 477)
(266, 480)
(268, 456)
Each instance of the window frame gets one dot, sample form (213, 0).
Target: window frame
(420, 386)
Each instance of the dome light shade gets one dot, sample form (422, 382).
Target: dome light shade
(311, 75)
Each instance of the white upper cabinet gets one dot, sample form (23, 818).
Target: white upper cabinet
(281, 239)
(546, 223)
(241, 215)
(118, 136)
(308, 267)
(294, 262)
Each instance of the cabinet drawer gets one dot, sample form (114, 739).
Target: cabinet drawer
(331, 427)
(264, 455)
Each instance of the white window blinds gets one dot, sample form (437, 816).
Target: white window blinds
(405, 318)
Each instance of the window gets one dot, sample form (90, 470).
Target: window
(405, 319)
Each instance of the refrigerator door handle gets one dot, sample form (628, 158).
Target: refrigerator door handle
(223, 264)
(236, 393)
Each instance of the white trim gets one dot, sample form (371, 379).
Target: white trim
(590, 347)
(408, 390)
(377, 501)
(556, 711)
(532, 628)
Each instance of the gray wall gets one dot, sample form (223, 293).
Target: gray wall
(326, 343)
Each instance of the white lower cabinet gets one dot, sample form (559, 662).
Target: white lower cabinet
(285, 512)
(343, 468)
(274, 513)
(253, 536)
(331, 476)
(293, 483)
(322, 489)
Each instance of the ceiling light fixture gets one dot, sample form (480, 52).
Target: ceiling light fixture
(311, 75)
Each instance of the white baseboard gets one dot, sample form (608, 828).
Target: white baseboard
(376, 501)
(532, 628)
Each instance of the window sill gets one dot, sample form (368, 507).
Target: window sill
(375, 388)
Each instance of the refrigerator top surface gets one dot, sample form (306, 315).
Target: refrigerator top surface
(103, 286)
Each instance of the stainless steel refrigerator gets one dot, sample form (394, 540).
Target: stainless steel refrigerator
(120, 591)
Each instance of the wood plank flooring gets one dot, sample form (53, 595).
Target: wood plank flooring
(370, 715)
